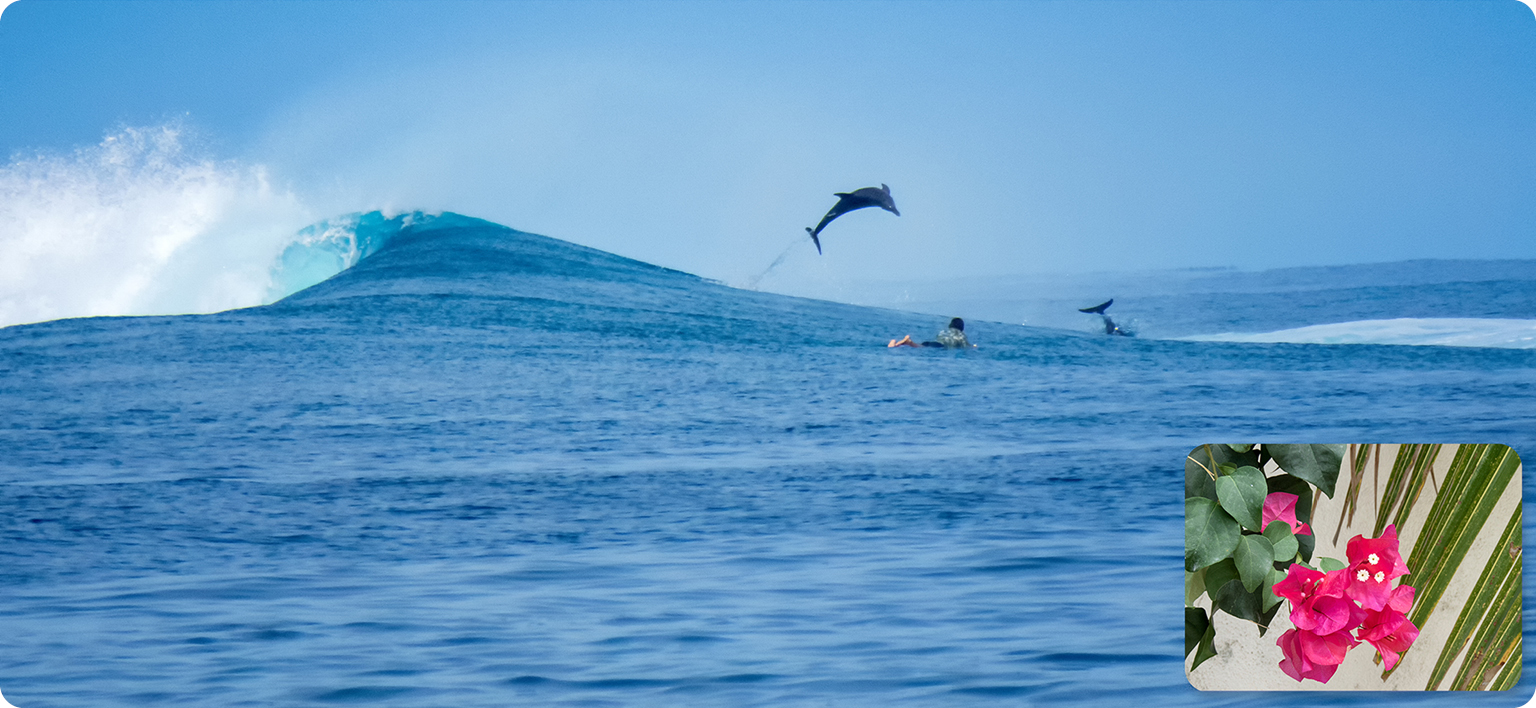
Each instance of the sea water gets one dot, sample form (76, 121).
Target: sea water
(487, 468)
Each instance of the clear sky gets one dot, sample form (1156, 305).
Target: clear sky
(1017, 137)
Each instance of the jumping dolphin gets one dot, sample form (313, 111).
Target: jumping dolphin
(858, 199)
(1109, 325)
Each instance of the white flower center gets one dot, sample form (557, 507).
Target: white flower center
(1380, 576)
(1373, 559)
(1363, 575)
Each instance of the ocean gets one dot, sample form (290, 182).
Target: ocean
(455, 464)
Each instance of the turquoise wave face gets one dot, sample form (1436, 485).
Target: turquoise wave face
(322, 250)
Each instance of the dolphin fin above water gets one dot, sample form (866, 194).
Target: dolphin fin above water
(849, 201)
(1099, 308)
(1109, 325)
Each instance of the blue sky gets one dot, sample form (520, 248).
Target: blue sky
(1016, 137)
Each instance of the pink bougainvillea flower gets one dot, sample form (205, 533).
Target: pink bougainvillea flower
(1401, 598)
(1379, 624)
(1296, 664)
(1317, 599)
(1281, 506)
(1390, 632)
(1298, 583)
(1373, 564)
(1383, 548)
(1325, 649)
(1301, 582)
(1325, 614)
(1314, 656)
(1322, 608)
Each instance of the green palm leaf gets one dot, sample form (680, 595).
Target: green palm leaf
(1486, 634)
(1503, 567)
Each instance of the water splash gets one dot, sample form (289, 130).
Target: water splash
(140, 223)
(753, 282)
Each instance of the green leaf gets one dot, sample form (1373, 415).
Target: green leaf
(1237, 601)
(1472, 487)
(1418, 469)
(1496, 640)
(1268, 618)
(1195, 625)
(1280, 536)
(1509, 676)
(1270, 598)
(1503, 565)
(1218, 575)
(1197, 481)
(1255, 557)
(1225, 586)
(1240, 448)
(1210, 534)
(1478, 478)
(1198, 469)
(1328, 565)
(1242, 495)
(1194, 586)
(1207, 648)
(1317, 464)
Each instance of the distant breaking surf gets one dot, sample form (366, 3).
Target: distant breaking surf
(1442, 332)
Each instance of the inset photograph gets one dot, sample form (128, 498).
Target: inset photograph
(1362, 567)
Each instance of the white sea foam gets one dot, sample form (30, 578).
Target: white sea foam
(1444, 332)
(141, 223)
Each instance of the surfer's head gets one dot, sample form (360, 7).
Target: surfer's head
(957, 323)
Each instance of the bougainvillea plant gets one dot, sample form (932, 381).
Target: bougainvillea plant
(1248, 545)
(1335, 611)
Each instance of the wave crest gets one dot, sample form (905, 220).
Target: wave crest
(324, 249)
(140, 223)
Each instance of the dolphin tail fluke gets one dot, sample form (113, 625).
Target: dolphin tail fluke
(814, 240)
(1098, 309)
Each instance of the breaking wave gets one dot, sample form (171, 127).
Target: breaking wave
(140, 223)
(1444, 332)
(321, 250)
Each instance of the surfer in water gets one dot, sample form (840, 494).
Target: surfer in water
(951, 338)
(1110, 327)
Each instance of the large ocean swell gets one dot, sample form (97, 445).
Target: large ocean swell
(482, 467)
(147, 223)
